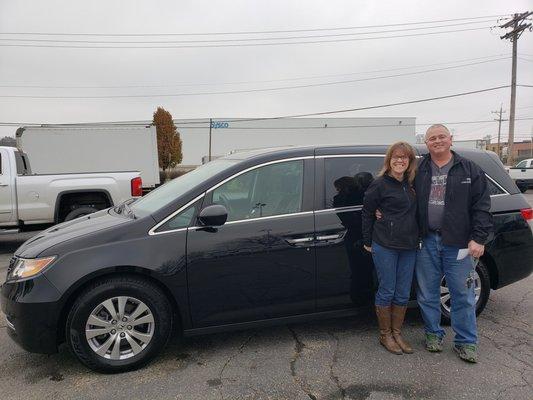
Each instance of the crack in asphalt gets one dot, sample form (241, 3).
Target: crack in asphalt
(503, 348)
(298, 347)
(519, 303)
(501, 392)
(492, 319)
(334, 360)
(239, 351)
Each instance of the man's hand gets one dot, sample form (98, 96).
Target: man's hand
(378, 213)
(476, 250)
(368, 248)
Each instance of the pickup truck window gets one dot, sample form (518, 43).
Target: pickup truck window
(522, 164)
(170, 191)
(22, 167)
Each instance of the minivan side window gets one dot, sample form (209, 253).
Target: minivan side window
(347, 179)
(183, 219)
(266, 191)
(493, 189)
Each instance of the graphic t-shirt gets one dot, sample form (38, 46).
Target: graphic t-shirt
(437, 194)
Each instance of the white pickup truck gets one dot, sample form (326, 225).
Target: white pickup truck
(522, 174)
(28, 199)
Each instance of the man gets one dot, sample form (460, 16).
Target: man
(453, 211)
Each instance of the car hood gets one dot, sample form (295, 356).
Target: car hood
(67, 231)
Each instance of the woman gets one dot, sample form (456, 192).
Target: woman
(392, 240)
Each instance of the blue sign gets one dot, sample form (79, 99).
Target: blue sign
(219, 125)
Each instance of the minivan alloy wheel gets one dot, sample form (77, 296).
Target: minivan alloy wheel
(119, 328)
(445, 292)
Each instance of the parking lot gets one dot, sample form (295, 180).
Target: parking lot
(332, 359)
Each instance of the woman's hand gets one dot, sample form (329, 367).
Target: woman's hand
(368, 248)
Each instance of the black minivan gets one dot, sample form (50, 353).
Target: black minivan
(254, 238)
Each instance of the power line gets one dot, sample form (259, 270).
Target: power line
(145, 122)
(253, 32)
(236, 40)
(249, 90)
(242, 44)
(274, 128)
(260, 81)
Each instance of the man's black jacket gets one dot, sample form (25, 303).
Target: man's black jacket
(397, 229)
(467, 202)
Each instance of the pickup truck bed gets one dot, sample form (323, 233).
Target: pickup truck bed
(29, 199)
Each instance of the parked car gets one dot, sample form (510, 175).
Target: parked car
(522, 173)
(253, 239)
(28, 199)
(77, 149)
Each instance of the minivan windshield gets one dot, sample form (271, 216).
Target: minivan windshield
(170, 191)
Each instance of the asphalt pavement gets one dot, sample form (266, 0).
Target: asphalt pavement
(331, 359)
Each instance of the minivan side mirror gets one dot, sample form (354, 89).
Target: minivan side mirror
(214, 215)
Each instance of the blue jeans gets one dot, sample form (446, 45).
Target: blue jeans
(434, 261)
(395, 274)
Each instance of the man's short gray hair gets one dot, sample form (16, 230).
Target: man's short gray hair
(438, 126)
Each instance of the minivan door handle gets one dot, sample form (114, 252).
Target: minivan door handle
(300, 240)
(330, 237)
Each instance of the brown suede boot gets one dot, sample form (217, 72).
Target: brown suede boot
(385, 331)
(398, 315)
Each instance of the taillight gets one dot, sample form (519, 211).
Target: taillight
(137, 187)
(527, 213)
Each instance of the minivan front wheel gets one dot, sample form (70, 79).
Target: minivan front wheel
(119, 324)
(481, 289)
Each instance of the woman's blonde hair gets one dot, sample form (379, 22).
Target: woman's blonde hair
(409, 151)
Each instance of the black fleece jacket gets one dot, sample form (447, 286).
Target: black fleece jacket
(398, 228)
(467, 202)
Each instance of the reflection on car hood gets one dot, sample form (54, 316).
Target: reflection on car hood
(69, 230)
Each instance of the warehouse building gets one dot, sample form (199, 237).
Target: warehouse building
(226, 135)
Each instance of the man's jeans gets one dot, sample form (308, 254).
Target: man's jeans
(395, 274)
(433, 261)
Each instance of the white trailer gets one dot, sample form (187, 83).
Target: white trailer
(77, 149)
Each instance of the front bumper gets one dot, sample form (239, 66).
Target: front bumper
(31, 319)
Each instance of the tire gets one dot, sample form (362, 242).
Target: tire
(137, 343)
(482, 281)
(522, 188)
(79, 212)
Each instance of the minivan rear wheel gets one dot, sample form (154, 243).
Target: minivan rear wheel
(119, 324)
(481, 289)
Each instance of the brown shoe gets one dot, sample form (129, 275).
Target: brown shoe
(398, 315)
(385, 330)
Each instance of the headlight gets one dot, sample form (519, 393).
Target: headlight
(28, 267)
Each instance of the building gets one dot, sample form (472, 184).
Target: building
(238, 134)
(521, 150)
(479, 144)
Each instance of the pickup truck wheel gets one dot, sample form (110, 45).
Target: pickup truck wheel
(481, 289)
(80, 212)
(119, 324)
(522, 187)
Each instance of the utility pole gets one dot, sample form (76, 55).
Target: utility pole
(210, 126)
(514, 35)
(499, 128)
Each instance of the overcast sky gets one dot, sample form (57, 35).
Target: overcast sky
(179, 71)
